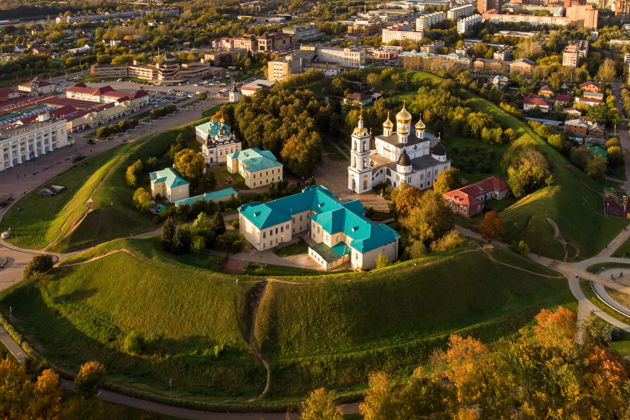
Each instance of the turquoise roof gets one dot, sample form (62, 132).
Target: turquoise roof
(211, 196)
(255, 159)
(212, 128)
(169, 176)
(333, 215)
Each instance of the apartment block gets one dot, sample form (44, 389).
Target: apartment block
(394, 33)
(427, 21)
(460, 11)
(308, 32)
(464, 25)
(573, 52)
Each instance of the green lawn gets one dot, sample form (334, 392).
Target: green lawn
(623, 251)
(596, 268)
(330, 330)
(297, 248)
(270, 270)
(623, 345)
(97, 205)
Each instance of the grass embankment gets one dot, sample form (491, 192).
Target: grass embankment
(592, 297)
(333, 331)
(97, 205)
(623, 251)
(326, 330)
(573, 202)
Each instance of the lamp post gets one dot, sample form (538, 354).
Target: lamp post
(170, 386)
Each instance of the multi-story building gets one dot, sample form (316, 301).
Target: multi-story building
(485, 5)
(460, 11)
(573, 52)
(345, 57)
(471, 199)
(37, 87)
(522, 66)
(465, 24)
(107, 94)
(246, 42)
(287, 66)
(275, 41)
(308, 32)
(396, 33)
(340, 230)
(580, 15)
(224, 43)
(257, 167)
(503, 53)
(217, 141)
(169, 184)
(622, 8)
(424, 22)
(21, 143)
(586, 15)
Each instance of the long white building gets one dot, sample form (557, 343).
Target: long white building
(398, 34)
(460, 11)
(427, 21)
(21, 143)
(465, 24)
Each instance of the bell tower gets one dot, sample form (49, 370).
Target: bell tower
(360, 169)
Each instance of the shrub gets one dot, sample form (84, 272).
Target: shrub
(382, 261)
(523, 248)
(39, 264)
(89, 378)
(142, 199)
(230, 242)
(449, 241)
(133, 343)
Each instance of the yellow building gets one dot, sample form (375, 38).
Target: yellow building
(257, 167)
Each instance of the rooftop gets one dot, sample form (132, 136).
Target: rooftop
(211, 196)
(169, 176)
(255, 159)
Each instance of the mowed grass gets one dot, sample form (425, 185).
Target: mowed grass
(84, 312)
(574, 202)
(333, 331)
(96, 207)
(35, 220)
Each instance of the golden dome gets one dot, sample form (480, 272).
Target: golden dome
(403, 117)
(403, 130)
(420, 125)
(388, 124)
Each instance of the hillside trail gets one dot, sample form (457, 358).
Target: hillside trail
(489, 256)
(98, 257)
(557, 235)
(253, 303)
(88, 203)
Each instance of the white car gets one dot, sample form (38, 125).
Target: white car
(5, 235)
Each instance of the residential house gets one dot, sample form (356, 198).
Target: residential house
(257, 167)
(470, 200)
(533, 102)
(358, 99)
(523, 66)
(588, 102)
(562, 100)
(37, 87)
(169, 184)
(590, 86)
(340, 230)
(546, 91)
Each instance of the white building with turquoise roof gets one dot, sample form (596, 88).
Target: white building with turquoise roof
(257, 167)
(169, 184)
(338, 231)
(217, 141)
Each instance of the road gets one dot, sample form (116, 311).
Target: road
(622, 130)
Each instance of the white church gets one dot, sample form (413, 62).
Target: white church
(415, 158)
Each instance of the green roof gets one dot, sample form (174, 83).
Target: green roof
(327, 253)
(211, 196)
(255, 159)
(169, 176)
(599, 150)
(212, 128)
(333, 215)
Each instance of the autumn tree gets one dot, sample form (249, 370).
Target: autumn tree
(431, 219)
(133, 171)
(555, 328)
(405, 199)
(90, 377)
(491, 227)
(607, 71)
(189, 164)
(320, 405)
(142, 199)
(447, 180)
(40, 263)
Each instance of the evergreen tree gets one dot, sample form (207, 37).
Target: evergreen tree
(168, 231)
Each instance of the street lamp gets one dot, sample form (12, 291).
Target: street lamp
(170, 385)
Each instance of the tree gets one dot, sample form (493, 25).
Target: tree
(132, 172)
(491, 227)
(596, 167)
(523, 248)
(90, 377)
(180, 240)
(556, 141)
(320, 405)
(39, 264)
(382, 261)
(430, 220)
(189, 164)
(607, 71)
(168, 231)
(230, 242)
(374, 81)
(447, 180)
(405, 199)
(378, 403)
(142, 199)
(555, 328)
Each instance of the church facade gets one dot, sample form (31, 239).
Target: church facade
(414, 157)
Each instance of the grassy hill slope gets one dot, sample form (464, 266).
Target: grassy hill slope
(97, 206)
(574, 202)
(323, 330)
(334, 332)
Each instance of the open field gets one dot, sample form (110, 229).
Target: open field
(331, 329)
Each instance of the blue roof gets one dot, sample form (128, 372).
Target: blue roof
(333, 215)
(211, 196)
(212, 128)
(255, 159)
(169, 176)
